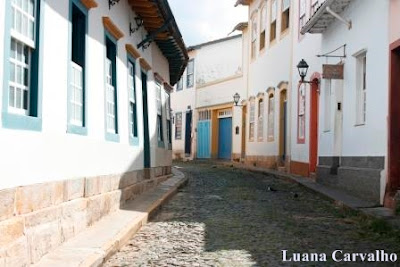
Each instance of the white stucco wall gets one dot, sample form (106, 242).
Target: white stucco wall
(218, 61)
(180, 101)
(270, 67)
(371, 138)
(304, 47)
(31, 157)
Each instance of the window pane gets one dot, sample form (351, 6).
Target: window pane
(30, 7)
(19, 98)
(286, 4)
(190, 67)
(11, 97)
(12, 72)
(26, 77)
(273, 11)
(25, 100)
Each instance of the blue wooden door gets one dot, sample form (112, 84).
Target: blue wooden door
(225, 138)
(203, 140)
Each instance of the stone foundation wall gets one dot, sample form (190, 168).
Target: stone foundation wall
(359, 176)
(300, 168)
(269, 162)
(35, 219)
(236, 157)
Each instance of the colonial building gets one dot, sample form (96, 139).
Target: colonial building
(352, 141)
(203, 100)
(313, 105)
(267, 107)
(85, 121)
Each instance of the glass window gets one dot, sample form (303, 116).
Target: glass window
(160, 134)
(302, 112)
(76, 102)
(22, 47)
(252, 120)
(260, 125)
(190, 74)
(263, 21)
(271, 112)
(132, 99)
(178, 126)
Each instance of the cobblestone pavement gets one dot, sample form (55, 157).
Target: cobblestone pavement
(231, 217)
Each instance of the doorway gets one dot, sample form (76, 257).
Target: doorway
(283, 127)
(314, 115)
(244, 114)
(203, 135)
(147, 161)
(188, 134)
(394, 121)
(225, 138)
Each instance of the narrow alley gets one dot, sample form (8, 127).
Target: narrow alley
(231, 217)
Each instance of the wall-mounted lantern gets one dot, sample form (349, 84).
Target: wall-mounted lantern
(303, 69)
(112, 3)
(139, 23)
(236, 99)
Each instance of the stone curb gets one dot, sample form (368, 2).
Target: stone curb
(98, 243)
(339, 198)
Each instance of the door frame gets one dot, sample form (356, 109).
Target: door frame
(231, 136)
(146, 134)
(393, 181)
(188, 133)
(283, 118)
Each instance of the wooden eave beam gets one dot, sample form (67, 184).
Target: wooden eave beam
(132, 51)
(89, 3)
(112, 28)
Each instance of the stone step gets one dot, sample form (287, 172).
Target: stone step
(98, 243)
(282, 169)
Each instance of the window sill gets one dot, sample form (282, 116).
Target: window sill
(359, 124)
(112, 137)
(134, 141)
(161, 144)
(272, 43)
(284, 33)
(21, 122)
(73, 129)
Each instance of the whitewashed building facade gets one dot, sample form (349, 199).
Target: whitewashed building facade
(85, 123)
(204, 95)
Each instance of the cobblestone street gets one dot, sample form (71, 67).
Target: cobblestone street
(231, 217)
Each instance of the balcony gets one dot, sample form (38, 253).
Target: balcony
(324, 15)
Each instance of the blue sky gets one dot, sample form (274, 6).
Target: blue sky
(205, 20)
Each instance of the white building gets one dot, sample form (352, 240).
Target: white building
(352, 135)
(204, 95)
(333, 126)
(85, 121)
(267, 106)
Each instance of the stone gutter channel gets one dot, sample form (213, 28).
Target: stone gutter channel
(338, 197)
(98, 243)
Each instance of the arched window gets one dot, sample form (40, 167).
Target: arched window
(260, 126)
(271, 114)
(251, 120)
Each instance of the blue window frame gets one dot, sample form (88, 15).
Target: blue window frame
(111, 108)
(22, 83)
(160, 131)
(132, 102)
(77, 68)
